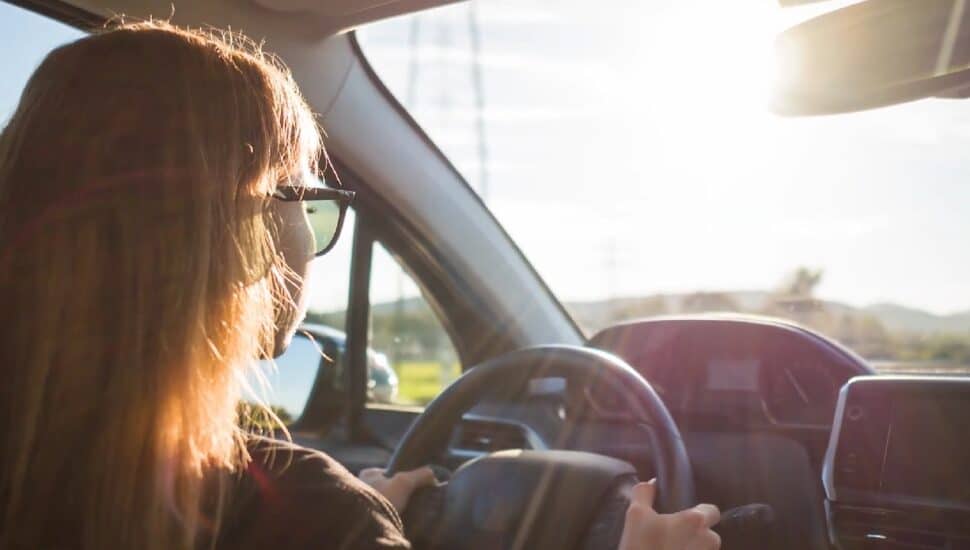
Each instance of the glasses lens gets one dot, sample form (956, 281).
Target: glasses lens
(324, 218)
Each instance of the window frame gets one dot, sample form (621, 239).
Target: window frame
(375, 222)
(63, 12)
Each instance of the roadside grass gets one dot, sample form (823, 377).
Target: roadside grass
(420, 381)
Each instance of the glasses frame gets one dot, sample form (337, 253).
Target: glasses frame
(299, 193)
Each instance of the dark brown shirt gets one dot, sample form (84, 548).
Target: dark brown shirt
(292, 497)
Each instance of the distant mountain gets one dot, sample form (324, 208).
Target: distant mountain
(897, 317)
(411, 304)
(595, 315)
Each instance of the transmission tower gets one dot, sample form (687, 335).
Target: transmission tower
(442, 36)
(478, 84)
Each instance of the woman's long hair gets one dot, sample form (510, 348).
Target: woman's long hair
(138, 279)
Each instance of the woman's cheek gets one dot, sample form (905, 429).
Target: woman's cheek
(296, 246)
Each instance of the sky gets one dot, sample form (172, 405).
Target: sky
(631, 152)
(25, 39)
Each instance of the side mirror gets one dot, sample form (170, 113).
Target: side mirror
(872, 54)
(330, 369)
(306, 382)
(327, 395)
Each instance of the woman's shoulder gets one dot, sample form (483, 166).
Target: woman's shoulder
(294, 467)
(293, 497)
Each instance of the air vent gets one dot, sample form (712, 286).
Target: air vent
(487, 437)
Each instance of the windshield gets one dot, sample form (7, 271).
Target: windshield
(630, 153)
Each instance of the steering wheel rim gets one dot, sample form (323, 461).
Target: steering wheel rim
(429, 434)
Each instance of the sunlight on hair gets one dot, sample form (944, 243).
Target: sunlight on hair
(164, 300)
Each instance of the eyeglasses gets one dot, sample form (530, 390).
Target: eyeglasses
(325, 209)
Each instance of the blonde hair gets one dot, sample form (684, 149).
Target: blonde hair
(138, 280)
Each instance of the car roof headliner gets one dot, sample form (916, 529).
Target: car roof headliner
(326, 17)
(308, 35)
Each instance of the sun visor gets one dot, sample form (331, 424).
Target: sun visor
(874, 53)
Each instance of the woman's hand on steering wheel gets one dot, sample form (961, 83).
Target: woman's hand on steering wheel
(645, 529)
(398, 488)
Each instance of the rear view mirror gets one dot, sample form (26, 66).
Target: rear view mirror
(872, 54)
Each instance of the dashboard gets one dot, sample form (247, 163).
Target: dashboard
(736, 373)
(754, 400)
(767, 411)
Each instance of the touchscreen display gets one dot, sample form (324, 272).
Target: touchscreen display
(927, 450)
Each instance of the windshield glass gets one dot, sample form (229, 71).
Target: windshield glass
(631, 154)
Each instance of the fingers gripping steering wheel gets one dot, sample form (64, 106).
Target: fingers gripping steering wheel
(538, 499)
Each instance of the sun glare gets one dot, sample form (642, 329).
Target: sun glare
(725, 57)
(702, 92)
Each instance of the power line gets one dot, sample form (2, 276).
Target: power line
(412, 83)
(411, 100)
(478, 85)
(443, 38)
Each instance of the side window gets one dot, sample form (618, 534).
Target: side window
(410, 357)
(25, 38)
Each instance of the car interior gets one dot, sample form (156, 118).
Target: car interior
(796, 437)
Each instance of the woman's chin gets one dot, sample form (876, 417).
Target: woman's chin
(280, 343)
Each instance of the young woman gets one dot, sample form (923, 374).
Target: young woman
(153, 245)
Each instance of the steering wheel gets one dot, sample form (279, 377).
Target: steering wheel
(538, 499)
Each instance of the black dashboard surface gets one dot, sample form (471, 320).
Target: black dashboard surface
(896, 466)
(736, 373)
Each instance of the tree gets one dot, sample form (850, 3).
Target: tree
(801, 283)
(634, 308)
(864, 334)
(795, 299)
